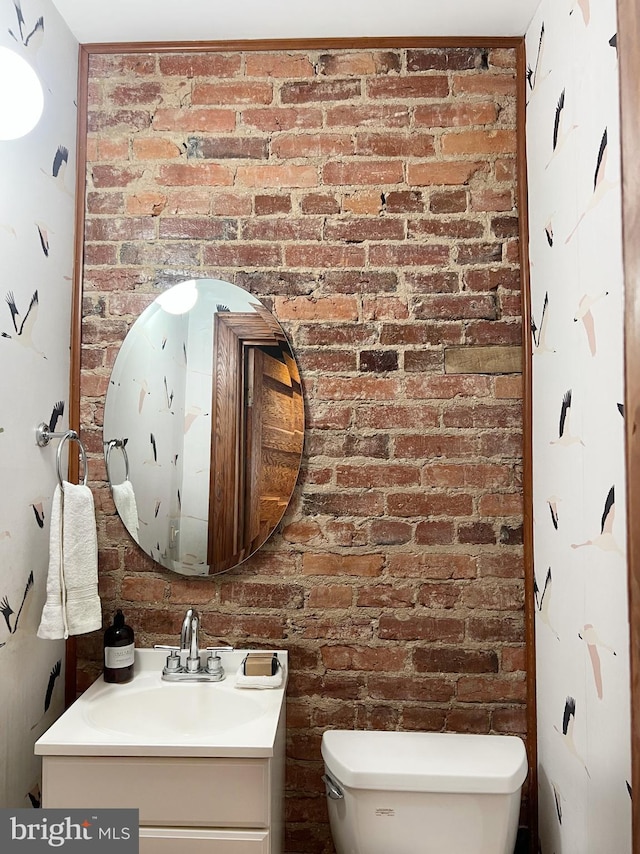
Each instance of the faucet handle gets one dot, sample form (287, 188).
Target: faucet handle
(218, 649)
(166, 646)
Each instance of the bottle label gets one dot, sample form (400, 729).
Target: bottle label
(119, 656)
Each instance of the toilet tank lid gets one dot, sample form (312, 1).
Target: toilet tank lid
(425, 762)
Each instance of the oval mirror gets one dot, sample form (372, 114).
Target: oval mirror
(203, 427)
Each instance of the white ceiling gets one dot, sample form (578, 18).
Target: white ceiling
(98, 21)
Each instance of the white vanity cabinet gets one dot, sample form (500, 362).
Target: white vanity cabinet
(214, 794)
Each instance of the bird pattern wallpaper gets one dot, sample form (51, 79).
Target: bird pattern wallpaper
(36, 246)
(580, 588)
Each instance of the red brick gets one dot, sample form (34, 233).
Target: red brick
(409, 255)
(371, 172)
(455, 115)
(491, 279)
(457, 228)
(479, 142)
(390, 532)
(483, 199)
(155, 149)
(278, 65)
(468, 720)
(495, 596)
(200, 228)
(448, 387)
(359, 63)
(372, 659)
(319, 203)
(434, 533)
(484, 84)
(242, 255)
(477, 533)
(512, 721)
(150, 204)
(112, 65)
(444, 59)
(454, 307)
(266, 205)
(363, 202)
(421, 504)
(411, 86)
(404, 201)
(395, 144)
(383, 116)
(281, 118)
(385, 596)
(308, 308)
(454, 660)
(193, 120)
(427, 690)
(261, 595)
(282, 229)
(206, 64)
(439, 595)
(326, 361)
(336, 564)
(273, 175)
(289, 146)
(195, 175)
(357, 388)
(500, 504)
(361, 229)
(514, 659)
(389, 416)
(448, 172)
(330, 596)
(423, 719)
(324, 90)
(373, 476)
(114, 176)
(227, 92)
(476, 689)
(146, 92)
(324, 255)
(494, 332)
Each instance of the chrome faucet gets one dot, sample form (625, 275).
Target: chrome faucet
(192, 669)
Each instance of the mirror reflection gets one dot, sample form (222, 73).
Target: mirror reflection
(203, 427)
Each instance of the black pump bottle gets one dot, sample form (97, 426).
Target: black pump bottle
(119, 649)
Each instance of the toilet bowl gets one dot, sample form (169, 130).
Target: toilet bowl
(423, 793)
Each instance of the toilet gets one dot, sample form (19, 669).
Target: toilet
(423, 793)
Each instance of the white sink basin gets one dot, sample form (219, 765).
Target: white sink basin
(195, 710)
(152, 717)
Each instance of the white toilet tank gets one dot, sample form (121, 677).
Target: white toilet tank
(423, 793)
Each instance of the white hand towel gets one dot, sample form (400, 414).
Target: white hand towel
(125, 501)
(72, 606)
(275, 681)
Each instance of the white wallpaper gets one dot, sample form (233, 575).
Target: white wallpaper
(582, 633)
(36, 247)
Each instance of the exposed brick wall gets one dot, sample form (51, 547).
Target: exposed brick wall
(368, 198)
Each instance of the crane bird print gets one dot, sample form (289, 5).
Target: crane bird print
(584, 314)
(605, 539)
(7, 611)
(593, 642)
(23, 326)
(568, 723)
(56, 670)
(29, 36)
(565, 436)
(561, 132)
(543, 601)
(533, 74)
(540, 335)
(601, 185)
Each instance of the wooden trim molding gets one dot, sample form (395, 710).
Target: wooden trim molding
(70, 687)
(348, 43)
(629, 53)
(354, 43)
(527, 446)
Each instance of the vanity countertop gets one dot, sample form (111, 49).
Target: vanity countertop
(152, 717)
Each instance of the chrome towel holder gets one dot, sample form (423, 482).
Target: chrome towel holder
(44, 435)
(110, 445)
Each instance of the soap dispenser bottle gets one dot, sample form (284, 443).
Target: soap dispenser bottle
(119, 649)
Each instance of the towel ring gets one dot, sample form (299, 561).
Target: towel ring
(111, 444)
(44, 435)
